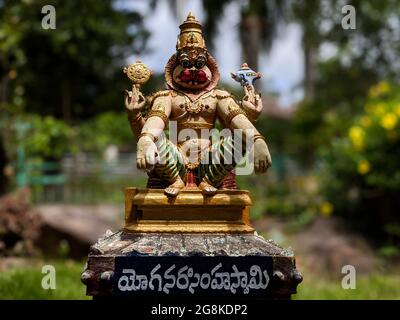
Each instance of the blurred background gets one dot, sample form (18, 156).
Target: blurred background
(331, 117)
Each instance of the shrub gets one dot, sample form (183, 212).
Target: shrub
(105, 129)
(48, 138)
(361, 175)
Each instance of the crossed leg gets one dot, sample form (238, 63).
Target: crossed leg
(214, 167)
(221, 160)
(170, 166)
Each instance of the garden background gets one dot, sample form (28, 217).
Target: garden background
(331, 118)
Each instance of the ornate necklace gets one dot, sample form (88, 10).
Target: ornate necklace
(194, 107)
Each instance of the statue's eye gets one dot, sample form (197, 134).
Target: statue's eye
(184, 60)
(185, 63)
(200, 62)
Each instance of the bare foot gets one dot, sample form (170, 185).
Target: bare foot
(173, 189)
(207, 189)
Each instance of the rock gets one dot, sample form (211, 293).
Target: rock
(20, 224)
(77, 225)
(324, 246)
(327, 245)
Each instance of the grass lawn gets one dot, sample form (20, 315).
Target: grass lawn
(371, 287)
(26, 284)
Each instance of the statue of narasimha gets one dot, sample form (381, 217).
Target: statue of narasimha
(191, 106)
(191, 222)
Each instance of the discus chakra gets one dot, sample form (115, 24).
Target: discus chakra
(138, 72)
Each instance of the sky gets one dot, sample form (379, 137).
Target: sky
(282, 67)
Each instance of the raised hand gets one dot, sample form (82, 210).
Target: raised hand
(134, 100)
(252, 103)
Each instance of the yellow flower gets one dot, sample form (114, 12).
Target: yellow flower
(363, 167)
(357, 135)
(326, 209)
(398, 110)
(376, 109)
(365, 121)
(379, 89)
(384, 87)
(389, 121)
(379, 109)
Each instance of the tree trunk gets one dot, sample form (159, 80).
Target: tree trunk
(66, 100)
(3, 164)
(3, 155)
(309, 71)
(4, 89)
(250, 31)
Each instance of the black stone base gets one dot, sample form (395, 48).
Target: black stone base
(189, 266)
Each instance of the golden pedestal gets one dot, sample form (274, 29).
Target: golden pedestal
(150, 210)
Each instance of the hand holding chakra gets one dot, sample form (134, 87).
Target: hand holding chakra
(139, 74)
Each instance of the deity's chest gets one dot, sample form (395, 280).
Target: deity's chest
(202, 109)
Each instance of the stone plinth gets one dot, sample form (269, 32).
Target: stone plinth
(99, 273)
(188, 247)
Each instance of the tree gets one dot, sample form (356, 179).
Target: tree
(308, 14)
(360, 58)
(361, 173)
(72, 72)
(257, 27)
(66, 72)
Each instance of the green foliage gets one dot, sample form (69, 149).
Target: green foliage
(73, 72)
(357, 59)
(277, 131)
(48, 138)
(389, 252)
(317, 122)
(105, 129)
(361, 175)
(296, 198)
(70, 69)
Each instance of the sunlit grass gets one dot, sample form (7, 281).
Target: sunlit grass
(368, 287)
(26, 284)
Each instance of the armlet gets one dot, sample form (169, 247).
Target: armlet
(232, 113)
(153, 96)
(158, 113)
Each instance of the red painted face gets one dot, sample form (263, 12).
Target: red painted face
(192, 78)
(192, 72)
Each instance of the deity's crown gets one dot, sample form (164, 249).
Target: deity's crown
(191, 34)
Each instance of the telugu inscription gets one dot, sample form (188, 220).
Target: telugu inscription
(192, 275)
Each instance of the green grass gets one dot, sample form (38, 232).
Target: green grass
(368, 287)
(26, 284)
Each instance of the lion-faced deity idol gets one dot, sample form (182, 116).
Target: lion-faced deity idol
(194, 107)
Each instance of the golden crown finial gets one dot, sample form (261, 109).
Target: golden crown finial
(191, 34)
(190, 16)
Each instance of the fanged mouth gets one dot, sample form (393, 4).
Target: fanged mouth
(193, 78)
(193, 83)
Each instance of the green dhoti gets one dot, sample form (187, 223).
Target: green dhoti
(214, 164)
